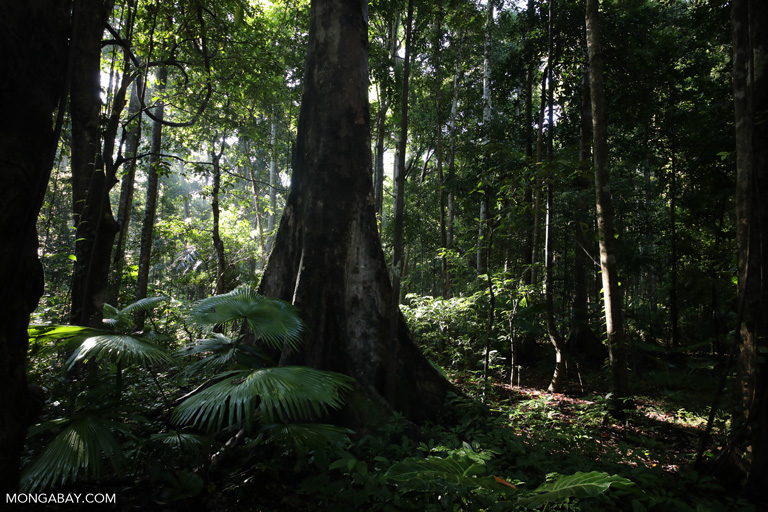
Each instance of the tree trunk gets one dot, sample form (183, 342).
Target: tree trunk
(91, 182)
(441, 191)
(451, 200)
(125, 205)
(150, 206)
(558, 377)
(614, 324)
(582, 342)
(674, 316)
(33, 42)
(274, 178)
(482, 242)
(218, 243)
(378, 165)
(750, 82)
(327, 258)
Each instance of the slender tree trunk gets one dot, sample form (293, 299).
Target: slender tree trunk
(91, 182)
(274, 178)
(536, 235)
(582, 342)
(674, 317)
(398, 263)
(34, 44)
(327, 258)
(378, 165)
(150, 206)
(441, 191)
(558, 377)
(259, 221)
(482, 242)
(451, 200)
(125, 206)
(750, 83)
(218, 243)
(614, 324)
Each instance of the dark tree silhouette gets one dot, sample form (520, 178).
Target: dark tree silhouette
(33, 42)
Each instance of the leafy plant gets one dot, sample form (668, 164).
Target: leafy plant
(278, 394)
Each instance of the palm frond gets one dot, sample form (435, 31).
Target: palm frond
(287, 392)
(49, 338)
(186, 442)
(79, 449)
(143, 305)
(119, 348)
(274, 321)
(122, 320)
(222, 351)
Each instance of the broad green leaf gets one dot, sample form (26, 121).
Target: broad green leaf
(578, 485)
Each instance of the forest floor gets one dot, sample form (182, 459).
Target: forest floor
(519, 435)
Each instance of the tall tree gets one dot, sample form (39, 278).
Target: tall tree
(327, 259)
(125, 205)
(750, 86)
(33, 42)
(150, 205)
(614, 325)
(91, 181)
(482, 243)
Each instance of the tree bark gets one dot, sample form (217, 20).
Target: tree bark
(614, 325)
(441, 191)
(399, 176)
(33, 42)
(218, 243)
(750, 83)
(150, 205)
(125, 205)
(558, 377)
(482, 242)
(91, 182)
(274, 178)
(582, 342)
(327, 258)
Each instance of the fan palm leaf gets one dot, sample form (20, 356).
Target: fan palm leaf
(274, 321)
(122, 320)
(119, 348)
(222, 351)
(287, 392)
(79, 449)
(50, 338)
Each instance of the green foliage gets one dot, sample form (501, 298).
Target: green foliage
(78, 450)
(464, 467)
(242, 391)
(281, 394)
(273, 321)
(560, 488)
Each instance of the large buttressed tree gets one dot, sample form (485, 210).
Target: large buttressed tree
(33, 42)
(327, 258)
